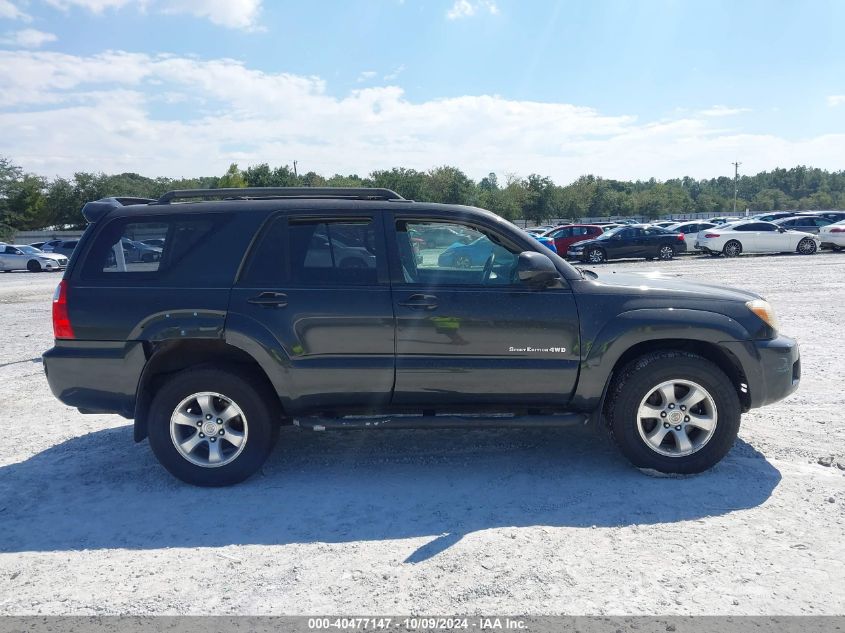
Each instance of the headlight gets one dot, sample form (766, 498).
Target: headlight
(763, 310)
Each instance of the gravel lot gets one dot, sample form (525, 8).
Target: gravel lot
(539, 522)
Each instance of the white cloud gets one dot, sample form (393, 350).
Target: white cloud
(394, 74)
(11, 11)
(720, 110)
(366, 75)
(95, 6)
(62, 113)
(836, 100)
(27, 38)
(237, 14)
(469, 8)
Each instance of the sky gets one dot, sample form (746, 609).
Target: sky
(625, 89)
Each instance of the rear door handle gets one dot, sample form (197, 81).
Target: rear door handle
(270, 300)
(420, 302)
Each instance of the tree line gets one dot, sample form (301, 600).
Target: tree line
(30, 201)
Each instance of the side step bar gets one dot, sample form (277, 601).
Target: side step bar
(441, 422)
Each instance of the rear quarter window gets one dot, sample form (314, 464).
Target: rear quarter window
(194, 251)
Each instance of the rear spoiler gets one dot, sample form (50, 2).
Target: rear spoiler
(94, 211)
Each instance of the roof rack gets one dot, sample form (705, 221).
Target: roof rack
(94, 211)
(245, 193)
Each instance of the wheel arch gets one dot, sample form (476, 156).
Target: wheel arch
(639, 332)
(171, 357)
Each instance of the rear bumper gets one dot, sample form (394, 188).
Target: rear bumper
(772, 368)
(95, 376)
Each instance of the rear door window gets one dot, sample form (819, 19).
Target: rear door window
(310, 251)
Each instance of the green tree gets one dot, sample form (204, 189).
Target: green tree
(233, 178)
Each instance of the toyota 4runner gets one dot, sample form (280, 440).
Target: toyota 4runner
(332, 309)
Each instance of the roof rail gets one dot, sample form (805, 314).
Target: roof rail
(94, 211)
(349, 193)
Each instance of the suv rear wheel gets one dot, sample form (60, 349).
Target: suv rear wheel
(674, 412)
(212, 427)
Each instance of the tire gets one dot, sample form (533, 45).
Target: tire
(836, 248)
(666, 252)
(634, 390)
(807, 246)
(732, 249)
(596, 256)
(33, 266)
(256, 423)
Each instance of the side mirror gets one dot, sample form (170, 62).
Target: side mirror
(781, 230)
(535, 269)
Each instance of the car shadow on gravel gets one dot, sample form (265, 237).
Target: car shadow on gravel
(102, 491)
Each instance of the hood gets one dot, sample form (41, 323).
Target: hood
(656, 284)
(56, 256)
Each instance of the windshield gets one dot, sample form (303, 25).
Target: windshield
(30, 250)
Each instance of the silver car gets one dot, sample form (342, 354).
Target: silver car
(23, 257)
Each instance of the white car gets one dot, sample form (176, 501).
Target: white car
(753, 236)
(23, 257)
(833, 235)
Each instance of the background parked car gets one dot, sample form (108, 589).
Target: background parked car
(834, 216)
(26, 257)
(64, 247)
(664, 223)
(545, 241)
(642, 240)
(689, 226)
(804, 223)
(752, 236)
(771, 217)
(159, 242)
(38, 245)
(566, 236)
(723, 219)
(833, 236)
(472, 255)
(48, 246)
(437, 236)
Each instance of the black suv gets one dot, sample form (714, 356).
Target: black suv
(323, 308)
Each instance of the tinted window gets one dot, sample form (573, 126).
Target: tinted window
(332, 252)
(478, 259)
(117, 250)
(655, 231)
(754, 226)
(567, 232)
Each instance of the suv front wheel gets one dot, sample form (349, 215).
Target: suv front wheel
(674, 412)
(212, 427)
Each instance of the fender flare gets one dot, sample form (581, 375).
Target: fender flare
(644, 325)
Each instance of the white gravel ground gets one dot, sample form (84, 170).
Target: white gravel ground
(539, 522)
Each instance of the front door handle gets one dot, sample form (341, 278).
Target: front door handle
(270, 300)
(420, 302)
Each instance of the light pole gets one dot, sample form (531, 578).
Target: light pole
(736, 178)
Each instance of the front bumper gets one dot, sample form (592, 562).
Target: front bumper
(772, 368)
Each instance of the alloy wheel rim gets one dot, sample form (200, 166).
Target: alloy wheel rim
(807, 246)
(596, 256)
(666, 252)
(208, 429)
(732, 250)
(677, 418)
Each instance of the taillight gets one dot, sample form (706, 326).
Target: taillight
(837, 230)
(61, 321)
(681, 237)
(709, 235)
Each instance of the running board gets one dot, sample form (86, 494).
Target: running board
(442, 422)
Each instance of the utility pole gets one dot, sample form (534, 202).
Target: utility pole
(736, 179)
(297, 175)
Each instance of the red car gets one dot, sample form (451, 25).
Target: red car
(571, 233)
